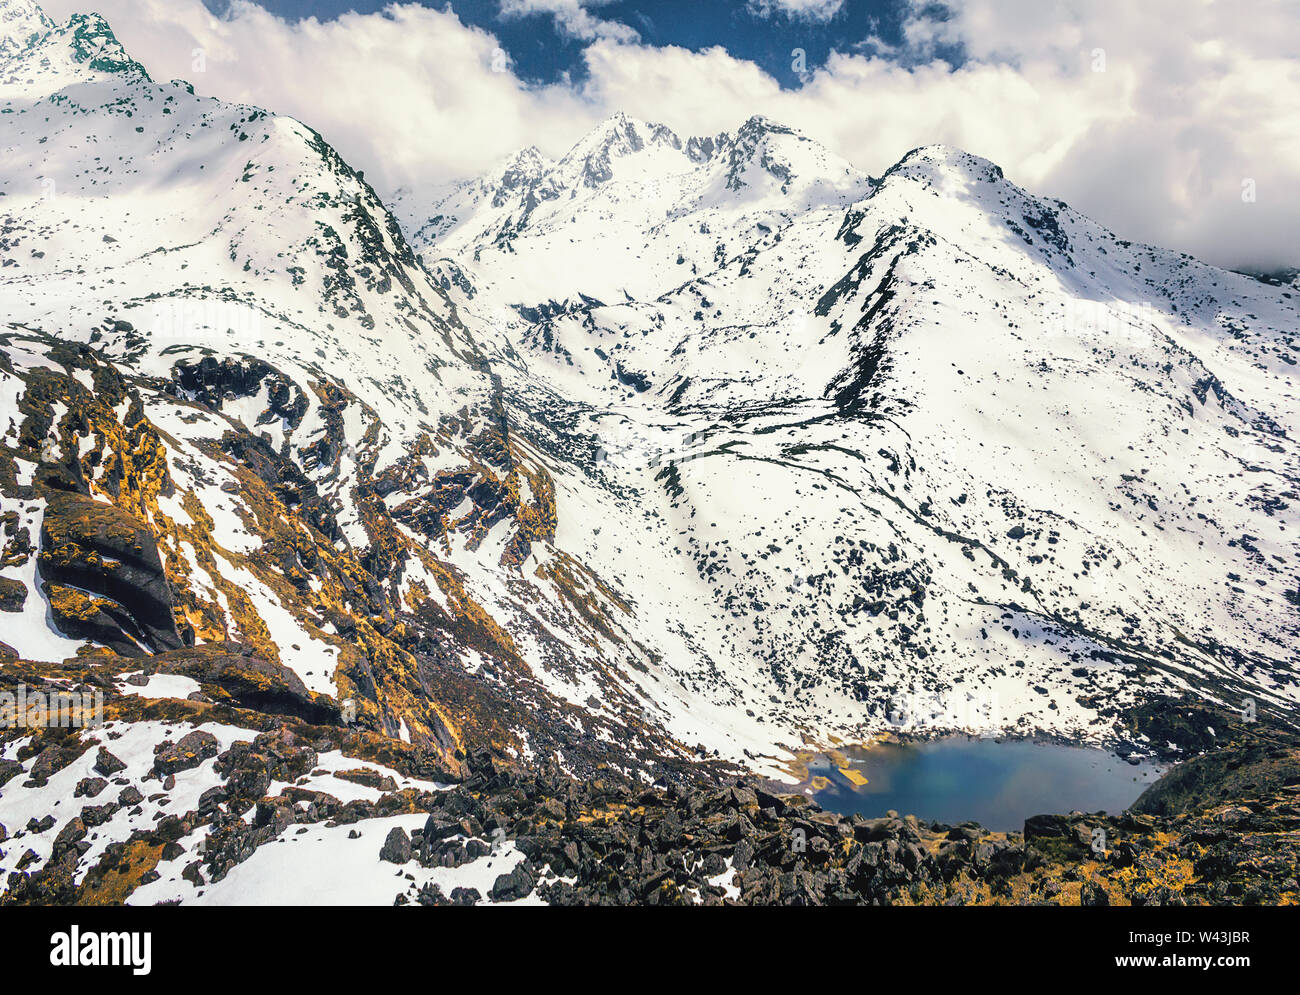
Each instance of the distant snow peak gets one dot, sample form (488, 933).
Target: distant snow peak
(22, 22)
(93, 41)
(637, 175)
(525, 166)
(39, 55)
(617, 136)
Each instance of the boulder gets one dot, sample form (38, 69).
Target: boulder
(107, 764)
(110, 557)
(397, 846)
(519, 883)
(13, 595)
(187, 752)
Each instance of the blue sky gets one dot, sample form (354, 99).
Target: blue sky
(541, 51)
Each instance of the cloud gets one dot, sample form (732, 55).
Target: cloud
(1147, 117)
(807, 10)
(1175, 106)
(411, 95)
(572, 18)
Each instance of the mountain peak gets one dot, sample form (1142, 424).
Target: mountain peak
(621, 134)
(21, 23)
(935, 163)
(624, 159)
(524, 166)
(617, 136)
(759, 124)
(93, 42)
(616, 125)
(84, 42)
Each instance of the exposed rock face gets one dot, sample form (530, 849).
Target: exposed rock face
(211, 383)
(307, 454)
(141, 538)
(234, 674)
(1265, 766)
(13, 595)
(90, 547)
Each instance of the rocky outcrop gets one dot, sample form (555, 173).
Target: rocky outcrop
(210, 382)
(13, 595)
(1221, 829)
(1259, 768)
(187, 752)
(234, 674)
(90, 548)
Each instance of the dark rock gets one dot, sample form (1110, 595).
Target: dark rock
(186, 753)
(430, 895)
(1048, 827)
(106, 764)
(519, 883)
(239, 677)
(97, 815)
(53, 759)
(1093, 894)
(9, 769)
(440, 829)
(367, 777)
(13, 595)
(89, 787)
(210, 800)
(92, 548)
(71, 834)
(397, 846)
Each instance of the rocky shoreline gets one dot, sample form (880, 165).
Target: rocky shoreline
(1220, 828)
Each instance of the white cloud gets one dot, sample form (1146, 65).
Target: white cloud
(809, 10)
(572, 18)
(1194, 99)
(1208, 96)
(410, 95)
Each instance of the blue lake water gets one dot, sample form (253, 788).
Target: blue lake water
(998, 783)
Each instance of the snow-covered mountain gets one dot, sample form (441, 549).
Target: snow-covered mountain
(620, 208)
(671, 442)
(219, 339)
(925, 449)
(671, 448)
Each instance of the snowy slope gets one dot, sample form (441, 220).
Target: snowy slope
(670, 442)
(925, 451)
(218, 328)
